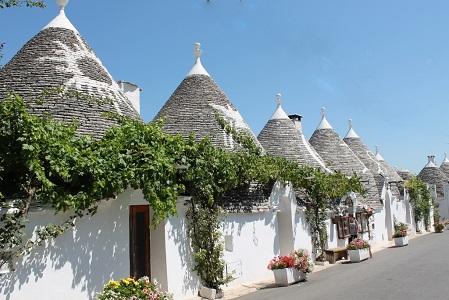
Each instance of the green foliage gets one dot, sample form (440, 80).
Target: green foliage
(400, 229)
(28, 3)
(420, 199)
(45, 162)
(322, 192)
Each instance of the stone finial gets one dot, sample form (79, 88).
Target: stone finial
(278, 99)
(378, 155)
(279, 113)
(197, 50)
(351, 132)
(197, 68)
(62, 3)
(324, 124)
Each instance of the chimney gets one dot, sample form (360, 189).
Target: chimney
(296, 119)
(132, 92)
(431, 159)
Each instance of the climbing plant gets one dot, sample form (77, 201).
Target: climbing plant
(45, 162)
(214, 172)
(321, 193)
(420, 199)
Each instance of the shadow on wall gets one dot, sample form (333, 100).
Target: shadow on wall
(95, 251)
(178, 234)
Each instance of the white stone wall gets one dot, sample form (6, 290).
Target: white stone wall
(301, 233)
(251, 241)
(379, 235)
(77, 264)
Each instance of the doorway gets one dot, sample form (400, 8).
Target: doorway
(139, 241)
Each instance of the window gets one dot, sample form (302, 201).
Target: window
(342, 227)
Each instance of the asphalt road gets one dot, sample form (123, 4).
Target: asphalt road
(417, 271)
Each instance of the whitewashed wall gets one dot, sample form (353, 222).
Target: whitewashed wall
(77, 264)
(302, 236)
(251, 241)
(379, 235)
(399, 210)
(171, 256)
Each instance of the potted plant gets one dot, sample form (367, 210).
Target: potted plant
(303, 263)
(129, 288)
(400, 235)
(284, 270)
(358, 250)
(439, 227)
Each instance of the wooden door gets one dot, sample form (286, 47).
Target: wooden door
(139, 241)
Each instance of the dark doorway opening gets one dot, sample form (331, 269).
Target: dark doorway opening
(139, 240)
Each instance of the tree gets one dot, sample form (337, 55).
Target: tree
(420, 199)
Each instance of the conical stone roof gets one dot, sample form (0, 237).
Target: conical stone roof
(194, 106)
(339, 157)
(431, 174)
(281, 138)
(378, 169)
(390, 171)
(405, 174)
(445, 165)
(57, 59)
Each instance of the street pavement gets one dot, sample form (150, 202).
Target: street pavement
(417, 271)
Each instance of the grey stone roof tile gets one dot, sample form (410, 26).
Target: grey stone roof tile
(192, 108)
(60, 58)
(279, 137)
(339, 157)
(376, 167)
(433, 175)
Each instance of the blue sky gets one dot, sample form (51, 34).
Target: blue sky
(385, 64)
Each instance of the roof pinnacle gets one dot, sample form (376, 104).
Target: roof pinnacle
(61, 21)
(62, 3)
(197, 68)
(351, 132)
(378, 156)
(197, 50)
(324, 124)
(278, 99)
(279, 113)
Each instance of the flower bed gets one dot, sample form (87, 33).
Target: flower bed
(400, 235)
(400, 230)
(281, 262)
(358, 250)
(303, 261)
(131, 289)
(291, 268)
(357, 244)
(439, 227)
